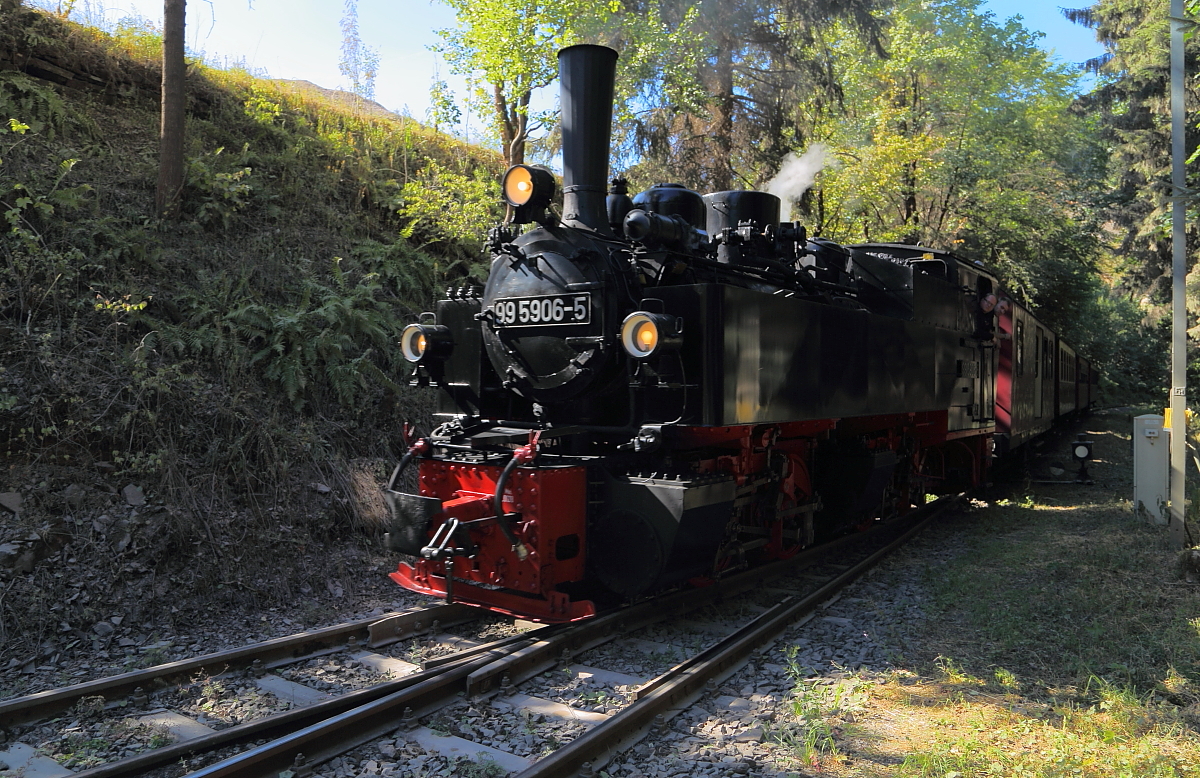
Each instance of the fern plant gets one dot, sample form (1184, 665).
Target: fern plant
(334, 337)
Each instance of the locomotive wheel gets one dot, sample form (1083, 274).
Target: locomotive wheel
(783, 519)
(781, 547)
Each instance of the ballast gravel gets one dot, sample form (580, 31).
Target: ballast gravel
(334, 674)
(744, 727)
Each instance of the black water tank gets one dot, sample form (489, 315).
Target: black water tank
(673, 200)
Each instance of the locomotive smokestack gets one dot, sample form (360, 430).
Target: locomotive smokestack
(587, 74)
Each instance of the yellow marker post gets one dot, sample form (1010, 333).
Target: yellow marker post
(1188, 415)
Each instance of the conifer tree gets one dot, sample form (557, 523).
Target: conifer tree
(1132, 106)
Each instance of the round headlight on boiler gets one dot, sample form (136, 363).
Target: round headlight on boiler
(645, 335)
(423, 342)
(529, 186)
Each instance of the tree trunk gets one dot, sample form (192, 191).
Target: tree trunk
(514, 125)
(171, 128)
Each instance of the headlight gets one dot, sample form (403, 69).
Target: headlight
(644, 335)
(529, 190)
(422, 342)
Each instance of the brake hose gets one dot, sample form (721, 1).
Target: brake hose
(520, 457)
(420, 447)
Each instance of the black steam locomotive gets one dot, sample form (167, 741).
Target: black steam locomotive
(670, 386)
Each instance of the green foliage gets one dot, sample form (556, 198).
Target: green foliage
(138, 37)
(1131, 103)
(214, 197)
(486, 767)
(507, 44)
(324, 332)
(963, 135)
(443, 108)
(739, 85)
(507, 50)
(816, 709)
(966, 138)
(444, 205)
(1076, 595)
(33, 268)
(34, 102)
(1106, 571)
(1088, 746)
(31, 209)
(1129, 345)
(262, 107)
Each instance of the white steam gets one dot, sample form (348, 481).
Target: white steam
(796, 175)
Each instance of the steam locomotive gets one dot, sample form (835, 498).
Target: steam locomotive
(664, 388)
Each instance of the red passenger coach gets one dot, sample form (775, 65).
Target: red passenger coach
(1025, 378)
(1040, 378)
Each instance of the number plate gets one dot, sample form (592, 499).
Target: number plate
(543, 310)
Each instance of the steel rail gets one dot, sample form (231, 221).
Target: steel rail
(282, 724)
(375, 632)
(677, 687)
(327, 739)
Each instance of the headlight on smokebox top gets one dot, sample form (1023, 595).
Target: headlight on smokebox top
(420, 343)
(645, 335)
(528, 189)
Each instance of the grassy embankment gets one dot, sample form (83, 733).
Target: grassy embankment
(1061, 642)
(224, 362)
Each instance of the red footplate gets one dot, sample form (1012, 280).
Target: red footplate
(556, 607)
(550, 504)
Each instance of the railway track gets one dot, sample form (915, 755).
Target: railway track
(143, 698)
(373, 633)
(555, 674)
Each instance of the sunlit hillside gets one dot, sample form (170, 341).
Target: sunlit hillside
(245, 352)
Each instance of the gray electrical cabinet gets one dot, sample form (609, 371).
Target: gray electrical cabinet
(1151, 468)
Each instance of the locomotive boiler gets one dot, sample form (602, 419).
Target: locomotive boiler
(662, 388)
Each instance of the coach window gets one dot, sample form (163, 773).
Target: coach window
(1037, 353)
(1020, 348)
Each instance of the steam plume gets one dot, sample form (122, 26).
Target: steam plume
(796, 175)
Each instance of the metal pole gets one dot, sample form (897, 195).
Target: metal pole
(1179, 273)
